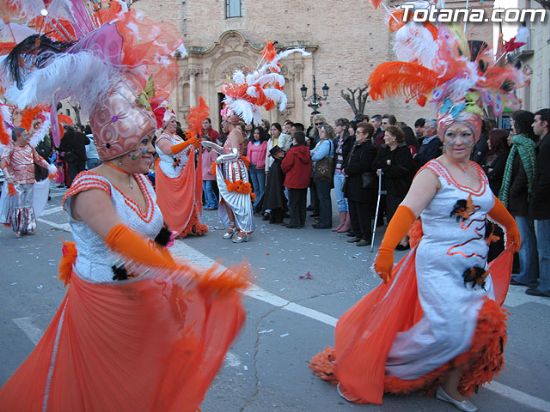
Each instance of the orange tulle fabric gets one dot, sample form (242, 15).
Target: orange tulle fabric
(180, 198)
(365, 334)
(150, 344)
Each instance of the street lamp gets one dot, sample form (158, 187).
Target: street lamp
(314, 99)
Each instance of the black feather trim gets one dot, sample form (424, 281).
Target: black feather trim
(33, 52)
(119, 272)
(163, 237)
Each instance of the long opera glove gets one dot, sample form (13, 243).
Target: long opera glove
(175, 149)
(500, 214)
(133, 246)
(399, 226)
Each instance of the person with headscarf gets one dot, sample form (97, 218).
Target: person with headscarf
(178, 182)
(517, 184)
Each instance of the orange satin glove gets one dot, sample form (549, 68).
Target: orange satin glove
(175, 149)
(134, 246)
(500, 214)
(11, 189)
(399, 226)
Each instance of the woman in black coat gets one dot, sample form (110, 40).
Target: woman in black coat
(361, 200)
(398, 168)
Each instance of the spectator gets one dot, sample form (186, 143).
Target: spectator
(287, 128)
(73, 145)
(431, 144)
(517, 183)
(496, 158)
(264, 123)
(296, 127)
(494, 169)
(361, 195)
(209, 156)
(323, 156)
(419, 129)
(395, 161)
(277, 139)
(92, 157)
(274, 198)
(378, 138)
(209, 132)
(410, 139)
(481, 148)
(540, 201)
(297, 168)
(343, 144)
(256, 156)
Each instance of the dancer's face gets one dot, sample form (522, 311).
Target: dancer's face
(141, 159)
(171, 126)
(459, 141)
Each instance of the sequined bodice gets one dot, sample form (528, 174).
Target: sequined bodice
(94, 258)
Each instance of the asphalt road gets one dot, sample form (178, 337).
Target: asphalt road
(290, 318)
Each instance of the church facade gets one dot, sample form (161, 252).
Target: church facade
(346, 39)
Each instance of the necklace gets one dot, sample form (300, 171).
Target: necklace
(121, 170)
(463, 168)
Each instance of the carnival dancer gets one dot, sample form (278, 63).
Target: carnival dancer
(436, 323)
(18, 161)
(178, 180)
(137, 330)
(234, 186)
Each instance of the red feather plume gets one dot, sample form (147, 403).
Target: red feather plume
(410, 80)
(4, 135)
(197, 115)
(29, 115)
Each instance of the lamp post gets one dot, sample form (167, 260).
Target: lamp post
(315, 99)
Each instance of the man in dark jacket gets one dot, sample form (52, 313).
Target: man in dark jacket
(73, 144)
(274, 197)
(297, 168)
(431, 144)
(540, 202)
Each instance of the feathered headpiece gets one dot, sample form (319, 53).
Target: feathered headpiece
(438, 64)
(98, 54)
(260, 88)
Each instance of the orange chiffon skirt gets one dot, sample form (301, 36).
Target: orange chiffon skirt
(365, 334)
(180, 198)
(151, 344)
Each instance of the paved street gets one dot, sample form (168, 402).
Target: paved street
(290, 318)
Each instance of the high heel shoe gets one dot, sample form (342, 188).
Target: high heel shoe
(464, 405)
(230, 233)
(240, 238)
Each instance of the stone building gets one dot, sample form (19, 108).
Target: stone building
(535, 56)
(346, 40)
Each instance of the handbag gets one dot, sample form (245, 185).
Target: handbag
(368, 180)
(324, 167)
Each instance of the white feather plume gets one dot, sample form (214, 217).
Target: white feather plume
(39, 134)
(271, 78)
(415, 42)
(81, 76)
(278, 96)
(251, 91)
(238, 77)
